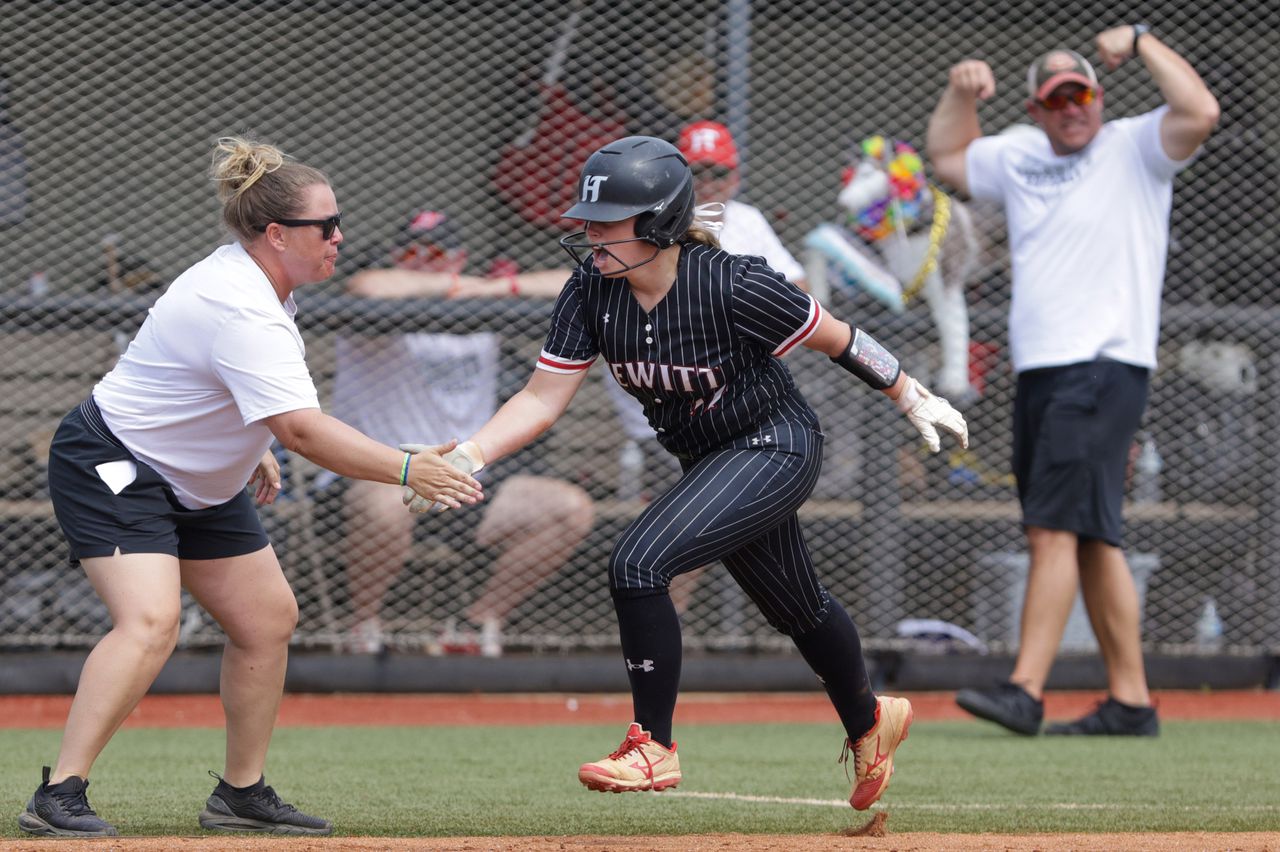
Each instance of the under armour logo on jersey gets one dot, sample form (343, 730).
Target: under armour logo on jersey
(759, 440)
(606, 318)
(591, 187)
(646, 666)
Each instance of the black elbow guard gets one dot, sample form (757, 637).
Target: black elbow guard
(869, 361)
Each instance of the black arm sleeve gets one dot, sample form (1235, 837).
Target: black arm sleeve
(869, 361)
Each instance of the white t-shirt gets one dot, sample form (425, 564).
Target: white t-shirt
(217, 354)
(1088, 233)
(419, 387)
(745, 231)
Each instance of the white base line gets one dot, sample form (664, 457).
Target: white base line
(740, 797)
(959, 806)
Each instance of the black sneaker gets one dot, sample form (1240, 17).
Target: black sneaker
(62, 810)
(1111, 718)
(1006, 704)
(257, 808)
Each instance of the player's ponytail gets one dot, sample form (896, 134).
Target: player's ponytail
(705, 226)
(696, 233)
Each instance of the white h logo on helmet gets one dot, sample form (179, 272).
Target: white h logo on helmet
(591, 187)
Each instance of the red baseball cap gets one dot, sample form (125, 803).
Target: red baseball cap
(1057, 67)
(708, 142)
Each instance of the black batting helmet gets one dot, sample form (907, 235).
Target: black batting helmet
(637, 176)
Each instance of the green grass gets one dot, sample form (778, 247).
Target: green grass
(952, 777)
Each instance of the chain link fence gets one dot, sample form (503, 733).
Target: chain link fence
(482, 111)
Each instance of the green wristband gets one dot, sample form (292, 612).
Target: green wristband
(404, 469)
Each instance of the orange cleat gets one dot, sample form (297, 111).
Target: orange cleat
(639, 763)
(873, 752)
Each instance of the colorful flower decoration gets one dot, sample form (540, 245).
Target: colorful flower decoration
(907, 186)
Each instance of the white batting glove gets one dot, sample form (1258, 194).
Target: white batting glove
(466, 457)
(928, 412)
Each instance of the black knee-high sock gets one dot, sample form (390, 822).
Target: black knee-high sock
(834, 652)
(650, 630)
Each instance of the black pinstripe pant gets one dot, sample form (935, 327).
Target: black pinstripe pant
(736, 504)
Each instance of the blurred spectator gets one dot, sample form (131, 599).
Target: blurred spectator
(588, 93)
(126, 273)
(411, 387)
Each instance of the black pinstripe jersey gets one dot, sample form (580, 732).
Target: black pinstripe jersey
(705, 361)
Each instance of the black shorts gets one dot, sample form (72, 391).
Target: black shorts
(145, 516)
(1072, 430)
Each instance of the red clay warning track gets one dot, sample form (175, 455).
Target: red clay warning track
(205, 711)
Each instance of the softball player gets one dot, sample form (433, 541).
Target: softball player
(147, 479)
(697, 335)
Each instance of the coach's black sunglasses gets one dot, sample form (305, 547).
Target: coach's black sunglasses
(327, 226)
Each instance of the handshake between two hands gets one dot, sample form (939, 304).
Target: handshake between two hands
(447, 478)
(450, 484)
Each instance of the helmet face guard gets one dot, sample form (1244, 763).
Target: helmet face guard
(580, 248)
(638, 176)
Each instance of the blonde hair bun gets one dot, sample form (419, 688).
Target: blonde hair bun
(239, 163)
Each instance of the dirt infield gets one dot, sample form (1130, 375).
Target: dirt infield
(1244, 842)
(204, 711)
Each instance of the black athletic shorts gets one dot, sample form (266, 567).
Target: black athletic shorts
(1072, 430)
(145, 516)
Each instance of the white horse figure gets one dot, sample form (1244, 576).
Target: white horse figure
(925, 241)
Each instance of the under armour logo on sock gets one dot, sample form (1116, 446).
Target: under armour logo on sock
(646, 666)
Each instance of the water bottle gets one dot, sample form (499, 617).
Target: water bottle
(630, 471)
(1209, 627)
(1146, 473)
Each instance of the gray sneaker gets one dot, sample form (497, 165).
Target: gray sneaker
(62, 810)
(257, 808)
(1006, 704)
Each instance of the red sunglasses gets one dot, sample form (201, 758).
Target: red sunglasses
(1057, 101)
(419, 253)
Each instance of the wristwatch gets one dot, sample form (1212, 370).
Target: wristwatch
(1138, 31)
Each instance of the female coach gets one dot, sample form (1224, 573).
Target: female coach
(148, 480)
(696, 334)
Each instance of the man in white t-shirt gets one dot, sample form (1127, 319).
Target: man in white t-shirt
(1087, 204)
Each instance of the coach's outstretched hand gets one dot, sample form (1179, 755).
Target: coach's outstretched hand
(928, 412)
(465, 457)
